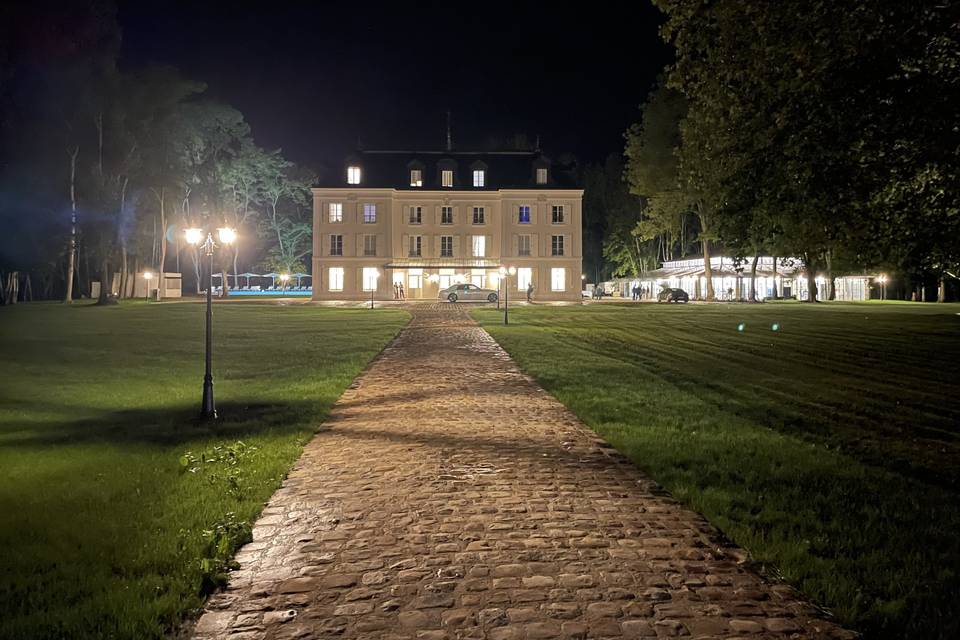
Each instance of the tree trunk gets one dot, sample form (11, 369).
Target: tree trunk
(708, 269)
(811, 285)
(106, 283)
(942, 291)
(72, 251)
(163, 244)
(830, 284)
(124, 272)
(753, 278)
(776, 292)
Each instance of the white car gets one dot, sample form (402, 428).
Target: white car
(464, 292)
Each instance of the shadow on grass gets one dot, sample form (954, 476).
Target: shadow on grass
(166, 426)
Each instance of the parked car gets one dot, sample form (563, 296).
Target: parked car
(672, 295)
(466, 292)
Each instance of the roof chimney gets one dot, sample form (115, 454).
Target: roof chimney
(449, 136)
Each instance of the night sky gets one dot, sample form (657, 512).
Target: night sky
(314, 77)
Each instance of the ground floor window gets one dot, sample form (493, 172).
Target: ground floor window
(397, 277)
(446, 278)
(476, 277)
(370, 275)
(415, 279)
(558, 279)
(335, 279)
(524, 278)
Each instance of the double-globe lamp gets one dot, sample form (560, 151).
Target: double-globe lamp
(204, 241)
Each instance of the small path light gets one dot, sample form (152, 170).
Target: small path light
(195, 237)
(147, 276)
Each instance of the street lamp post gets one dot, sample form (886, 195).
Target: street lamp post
(505, 272)
(194, 236)
(883, 286)
(376, 279)
(147, 276)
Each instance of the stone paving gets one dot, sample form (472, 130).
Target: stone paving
(449, 496)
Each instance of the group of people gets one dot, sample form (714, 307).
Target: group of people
(637, 292)
(398, 293)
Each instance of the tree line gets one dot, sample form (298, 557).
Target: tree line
(103, 167)
(826, 130)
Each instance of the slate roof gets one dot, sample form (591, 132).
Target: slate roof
(504, 170)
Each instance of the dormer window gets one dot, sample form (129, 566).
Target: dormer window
(353, 175)
(446, 178)
(541, 175)
(416, 177)
(479, 176)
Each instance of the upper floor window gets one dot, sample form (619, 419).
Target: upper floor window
(369, 213)
(370, 245)
(558, 214)
(524, 214)
(478, 215)
(336, 212)
(415, 244)
(416, 177)
(416, 215)
(353, 175)
(541, 175)
(478, 177)
(336, 245)
(523, 246)
(446, 178)
(446, 215)
(479, 246)
(446, 246)
(556, 247)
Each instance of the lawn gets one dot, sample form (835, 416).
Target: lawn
(118, 510)
(823, 439)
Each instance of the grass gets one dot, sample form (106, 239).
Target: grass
(119, 511)
(824, 439)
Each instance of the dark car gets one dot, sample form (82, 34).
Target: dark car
(672, 295)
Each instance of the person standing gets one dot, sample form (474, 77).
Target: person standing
(530, 291)
(403, 296)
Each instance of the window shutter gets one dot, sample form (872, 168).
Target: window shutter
(488, 246)
(535, 245)
(515, 251)
(359, 245)
(456, 247)
(404, 245)
(436, 245)
(567, 245)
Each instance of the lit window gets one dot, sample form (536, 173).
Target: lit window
(446, 246)
(476, 277)
(446, 278)
(541, 176)
(446, 178)
(524, 277)
(558, 279)
(478, 215)
(416, 177)
(335, 279)
(415, 244)
(479, 246)
(446, 215)
(370, 275)
(478, 177)
(558, 214)
(523, 245)
(353, 175)
(415, 279)
(336, 212)
(369, 213)
(524, 214)
(336, 245)
(416, 215)
(556, 247)
(370, 245)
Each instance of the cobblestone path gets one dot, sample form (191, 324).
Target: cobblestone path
(449, 496)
